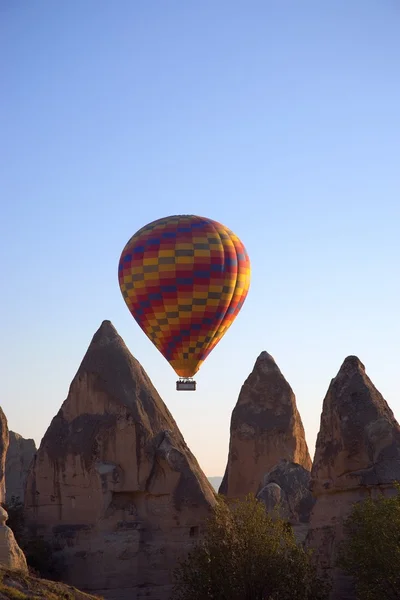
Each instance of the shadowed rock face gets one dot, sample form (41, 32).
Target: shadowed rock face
(113, 483)
(265, 428)
(20, 454)
(357, 455)
(11, 555)
(287, 486)
(3, 451)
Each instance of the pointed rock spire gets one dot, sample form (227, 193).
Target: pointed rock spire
(113, 482)
(357, 455)
(265, 428)
(359, 438)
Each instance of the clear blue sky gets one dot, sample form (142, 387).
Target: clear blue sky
(281, 119)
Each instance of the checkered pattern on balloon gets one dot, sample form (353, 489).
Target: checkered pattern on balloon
(184, 280)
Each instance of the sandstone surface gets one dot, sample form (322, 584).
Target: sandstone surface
(20, 454)
(357, 455)
(11, 555)
(114, 486)
(286, 490)
(265, 428)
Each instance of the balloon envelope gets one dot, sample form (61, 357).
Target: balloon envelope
(184, 279)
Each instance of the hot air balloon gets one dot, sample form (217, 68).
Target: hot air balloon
(184, 279)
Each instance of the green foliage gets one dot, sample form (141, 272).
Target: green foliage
(12, 593)
(16, 585)
(247, 554)
(371, 551)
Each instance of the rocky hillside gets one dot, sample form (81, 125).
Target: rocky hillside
(18, 586)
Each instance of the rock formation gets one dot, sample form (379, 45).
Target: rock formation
(23, 587)
(357, 455)
(3, 452)
(265, 428)
(11, 556)
(286, 488)
(19, 457)
(113, 485)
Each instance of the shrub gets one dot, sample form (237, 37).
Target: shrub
(371, 550)
(247, 554)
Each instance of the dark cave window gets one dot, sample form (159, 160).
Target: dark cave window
(194, 531)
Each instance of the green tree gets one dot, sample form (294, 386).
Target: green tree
(247, 554)
(371, 550)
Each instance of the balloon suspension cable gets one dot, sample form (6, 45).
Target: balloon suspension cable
(186, 384)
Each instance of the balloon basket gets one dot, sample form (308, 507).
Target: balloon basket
(186, 385)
